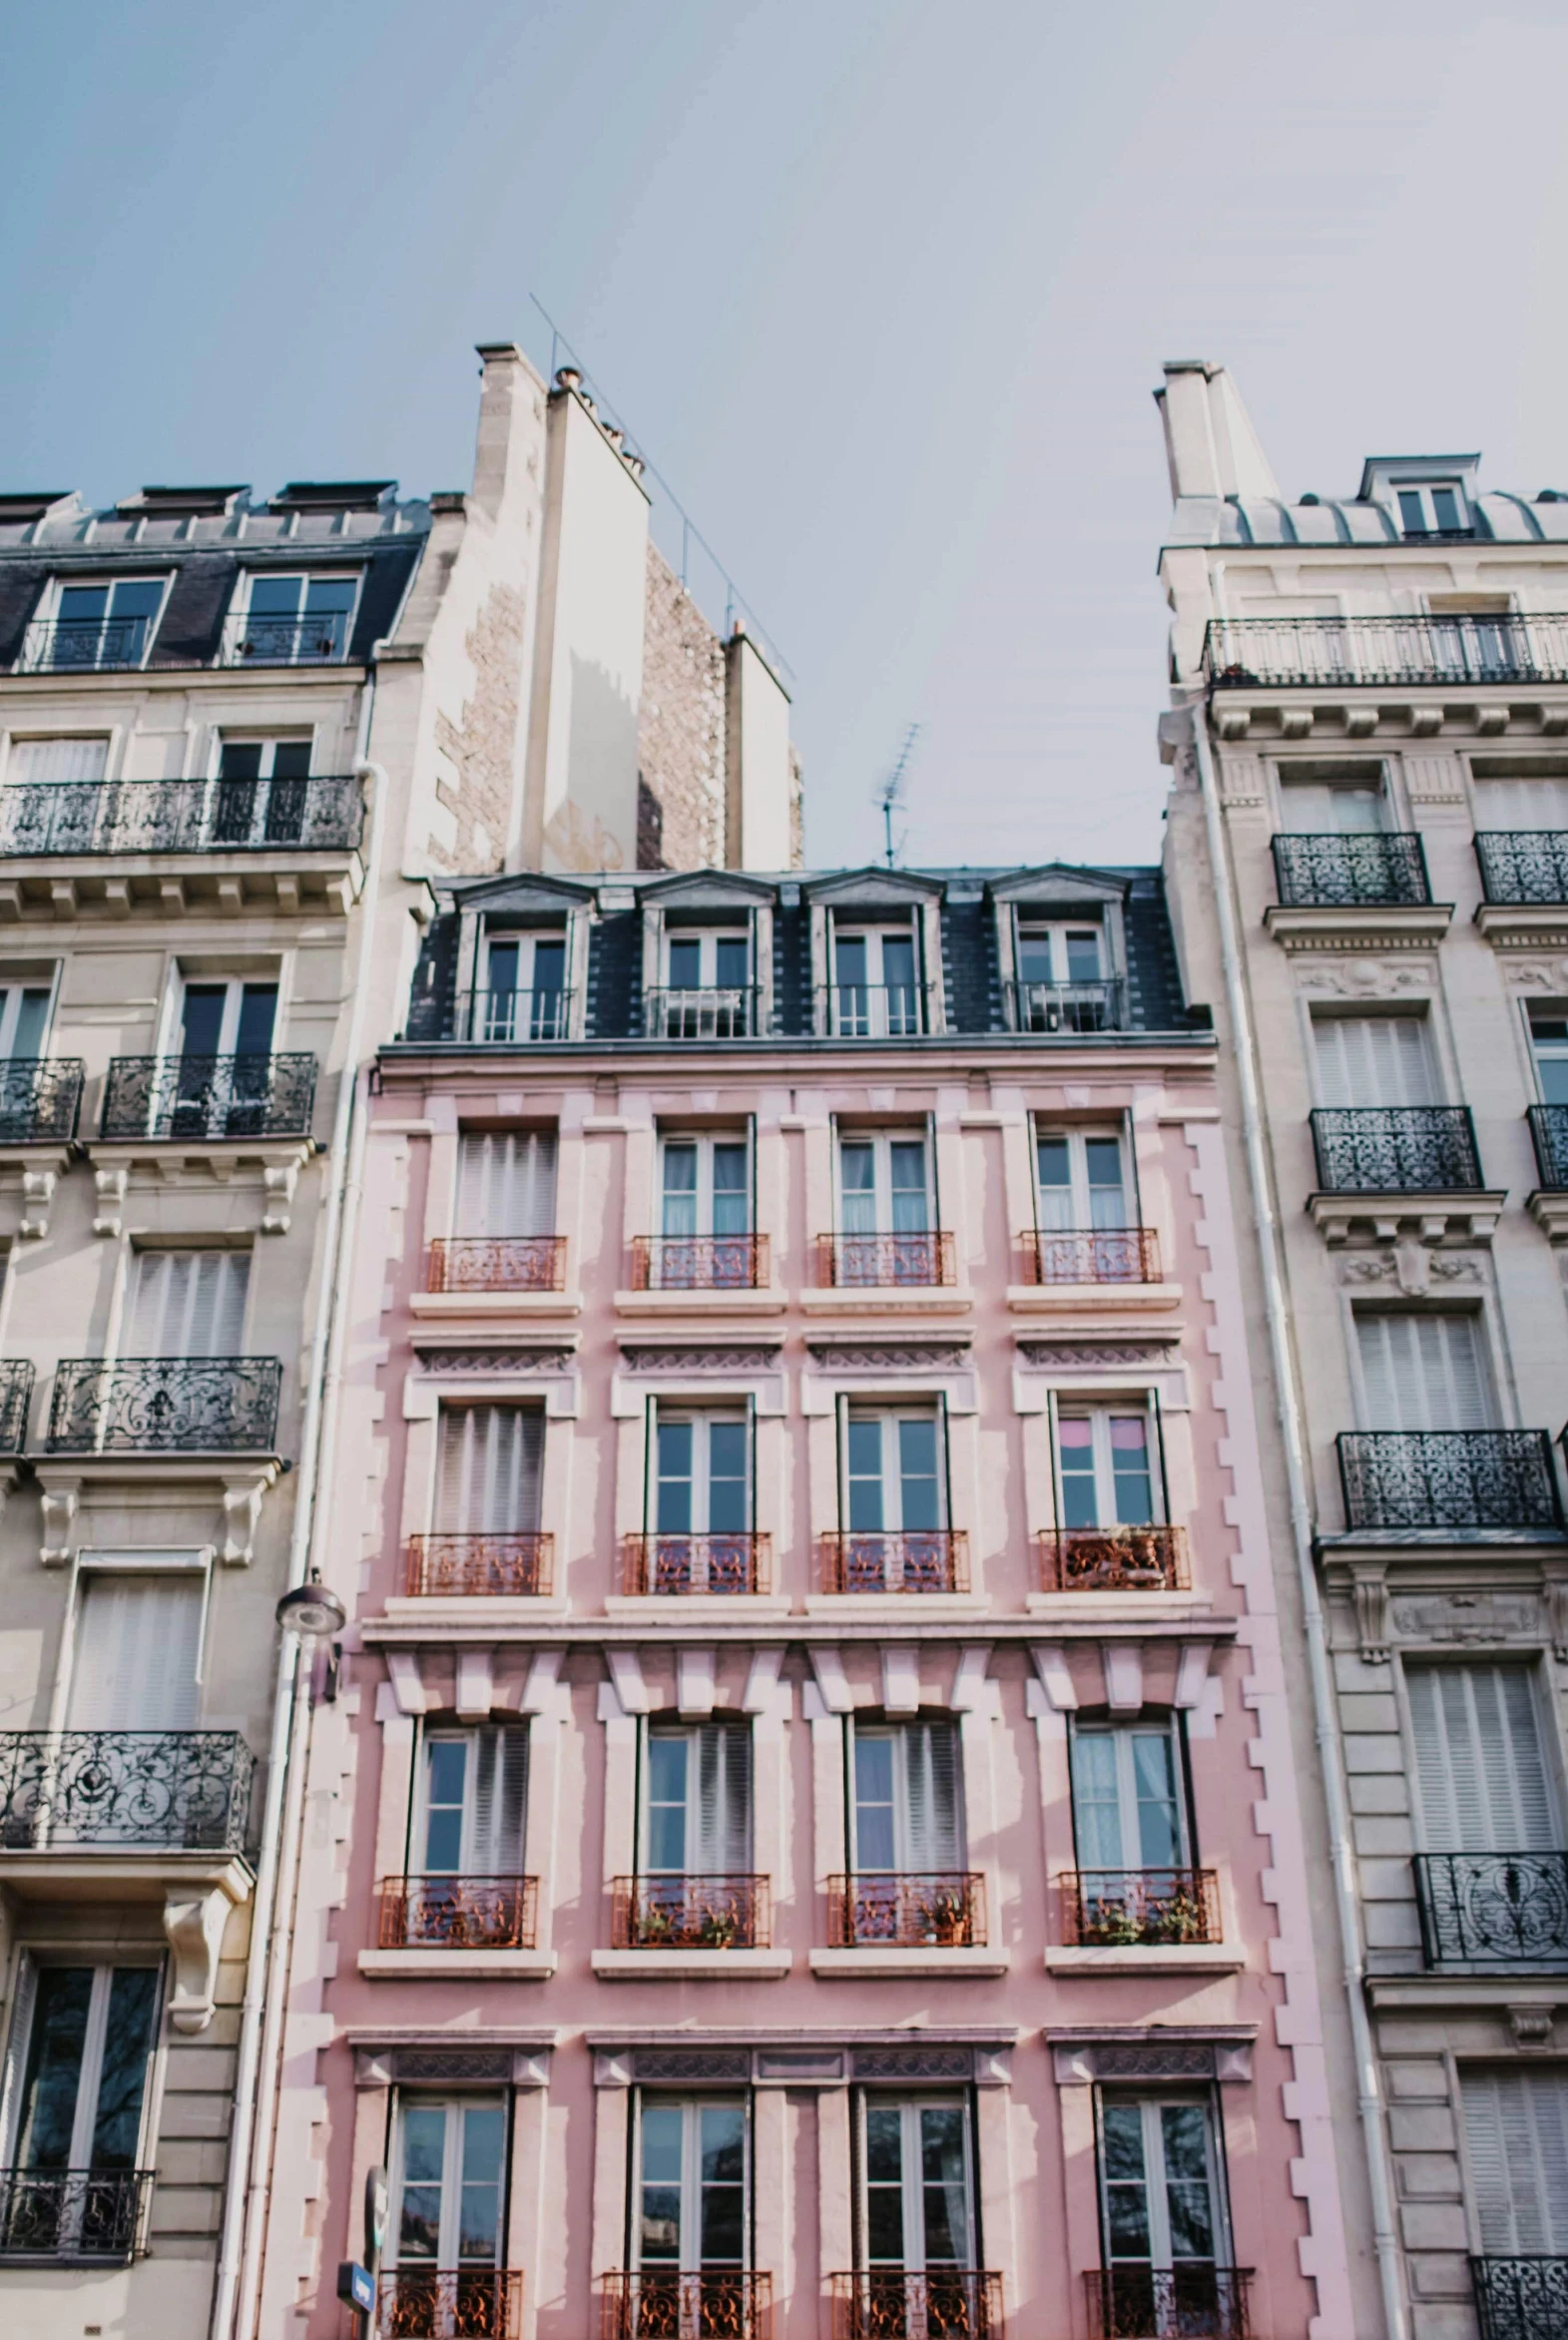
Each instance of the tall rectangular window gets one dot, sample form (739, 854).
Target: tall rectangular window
(473, 1803)
(1516, 2134)
(703, 1478)
(905, 1809)
(1081, 1181)
(884, 1184)
(1423, 1372)
(24, 1020)
(189, 1304)
(82, 2044)
(136, 1649)
(296, 620)
(893, 1476)
(876, 991)
(1375, 1060)
(523, 992)
(448, 2180)
(1160, 2196)
(1104, 1466)
(108, 624)
(506, 1183)
(1480, 1767)
(1129, 1799)
(696, 1812)
(488, 1476)
(917, 2206)
(692, 2194)
(1549, 1047)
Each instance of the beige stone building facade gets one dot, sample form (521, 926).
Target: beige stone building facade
(1367, 859)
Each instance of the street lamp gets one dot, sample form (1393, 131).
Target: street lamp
(312, 1611)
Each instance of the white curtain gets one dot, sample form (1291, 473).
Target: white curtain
(1373, 1060)
(506, 1183)
(489, 1469)
(57, 760)
(1516, 2127)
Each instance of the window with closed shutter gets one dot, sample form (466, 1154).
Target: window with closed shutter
(1479, 1764)
(1375, 1060)
(138, 1647)
(1423, 1371)
(1522, 803)
(906, 1798)
(506, 1183)
(489, 1471)
(697, 1805)
(1516, 2131)
(189, 1304)
(58, 761)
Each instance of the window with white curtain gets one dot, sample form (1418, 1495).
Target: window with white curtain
(905, 1813)
(473, 1801)
(137, 1651)
(1081, 1180)
(506, 1183)
(1423, 1371)
(1129, 1795)
(59, 759)
(188, 1304)
(1332, 808)
(1375, 1060)
(489, 1468)
(697, 1802)
(1516, 2138)
(1522, 804)
(1480, 1767)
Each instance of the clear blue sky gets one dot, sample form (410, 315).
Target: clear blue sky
(883, 289)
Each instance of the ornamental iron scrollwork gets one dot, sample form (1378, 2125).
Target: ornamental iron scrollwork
(1242, 653)
(1457, 1479)
(209, 1097)
(1114, 1559)
(943, 1910)
(459, 1913)
(942, 2303)
(97, 2214)
(317, 640)
(501, 1263)
(15, 1402)
(1523, 864)
(1395, 1149)
(920, 1257)
(165, 1405)
(1090, 1254)
(912, 1559)
(1522, 2298)
(173, 1790)
(1372, 869)
(665, 2303)
(699, 1263)
(1549, 1129)
(1493, 1908)
(458, 2303)
(325, 813)
(479, 1567)
(1193, 2300)
(691, 1913)
(40, 1097)
(1104, 1909)
(719, 1561)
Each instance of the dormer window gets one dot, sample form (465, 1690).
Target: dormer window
(1062, 977)
(97, 626)
(705, 993)
(523, 996)
(1433, 508)
(874, 993)
(293, 620)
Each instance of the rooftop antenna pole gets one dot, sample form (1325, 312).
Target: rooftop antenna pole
(891, 791)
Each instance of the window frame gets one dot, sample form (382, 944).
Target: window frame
(48, 609)
(706, 1142)
(708, 939)
(19, 2042)
(460, 2101)
(308, 573)
(525, 941)
(693, 2105)
(1071, 1404)
(662, 1727)
(1532, 1010)
(13, 988)
(875, 933)
(890, 1412)
(897, 1729)
(1078, 1136)
(881, 1141)
(910, 2107)
(1152, 2099)
(1426, 492)
(672, 1411)
(1099, 1722)
(446, 1407)
(442, 1732)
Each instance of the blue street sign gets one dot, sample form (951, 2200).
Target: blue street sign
(357, 2285)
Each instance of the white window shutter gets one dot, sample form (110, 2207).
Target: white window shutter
(190, 1303)
(506, 1184)
(57, 760)
(1479, 1765)
(488, 1482)
(500, 1790)
(724, 1789)
(1422, 1371)
(931, 1784)
(1516, 2131)
(1373, 1060)
(138, 1640)
(1522, 803)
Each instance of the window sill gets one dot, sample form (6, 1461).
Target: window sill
(876, 1962)
(693, 1608)
(888, 1300)
(477, 1609)
(1125, 1608)
(1144, 1957)
(459, 1966)
(444, 1307)
(1541, 925)
(901, 1605)
(1467, 1216)
(1394, 923)
(1548, 1207)
(1077, 1300)
(748, 1300)
(681, 1966)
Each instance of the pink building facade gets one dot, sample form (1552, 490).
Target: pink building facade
(803, 1836)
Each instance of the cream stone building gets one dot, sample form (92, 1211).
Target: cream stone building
(240, 741)
(1367, 863)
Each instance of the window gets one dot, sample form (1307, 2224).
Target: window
(904, 1816)
(693, 2186)
(1517, 2133)
(297, 620)
(1421, 1371)
(506, 1183)
(1160, 2203)
(524, 993)
(1081, 1180)
(706, 988)
(874, 993)
(1060, 954)
(702, 1484)
(262, 792)
(1539, 803)
(1061, 978)
(473, 1805)
(704, 1190)
(448, 2179)
(1104, 1466)
(1549, 1046)
(228, 1018)
(24, 1020)
(189, 1304)
(83, 2038)
(1329, 808)
(57, 762)
(1479, 1765)
(1434, 510)
(1129, 1798)
(917, 2206)
(490, 1467)
(884, 1185)
(892, 1464)
(1375, 1060)
(137, 1653)
(697, 1814)
(108, 624)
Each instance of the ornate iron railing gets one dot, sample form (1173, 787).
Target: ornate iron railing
(1112, 1559)
(323, 814)
(1523, 864)
(910, 1559)
(1340, 871)
(507, 1018)
(1522, 2298)
(1090, 1254)
(1395, 1149)
(1110, 1908)
(84, 645)
(942, 2303)
(944, 1908)
(1448, 1479)
(165, 1405)
(1493, 1908)
(209, 1097)
(872, 1011)
(459, 1913)
(1549, 1130)
(920, 1257)
(722, 1560)
(1066, 1008)
(40, 1097)
(710, 2303)
(16, 1403)
(519, 1561)
(1239, 652)
(699, 1263)
(459, 2303)
(266, 641)
(691, 1913)
(498, 1263)
(1193, 2301)
(167, 1789)
(716, 1012)
(98, 2214)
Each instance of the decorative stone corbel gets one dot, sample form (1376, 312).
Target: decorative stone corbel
(38, 1192)
(1370, 1589)
(195, 1925)
(58, 1500)
(241, 1512)
(1556, 1589)
(1531, 2027)
(110, 1181)
(278, 1180)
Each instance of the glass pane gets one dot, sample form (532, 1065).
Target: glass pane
(1075, 1451)
(1096, 1802)
(32, 1015)
(202, 1018)
(686, 963)
(865, 1475)
(257, 1013)
(873, 1802)
(918, 1488)
(425, 2148)
(1184, 2137)
(1083, 959)
(907, 1159)
(722, 2150)
(857, 1173)
(275, 597)
(666, 1777)
(292, 760)
(445, 1774)
(659, 2238)
(731, 957)
(1103, 1157)
(80, 605)
(679, 1190)
(132, 1996)
(883, 2144)
(884, 2187)
(849, 959)
(54, 2067)
(943, 2186)
(1130, 1469)
(1445, 504)
(136, 598)
(728, 1508)
(1034, 959)
(1154, 1777)
(479, 2229)
(1055, 1163)
(731, 1202)
(1412, 518)
(675, 1441)
(549, 982)
(325, 594)
(1126, 2194)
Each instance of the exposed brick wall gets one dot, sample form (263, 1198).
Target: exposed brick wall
(680, 727)
(482, 745)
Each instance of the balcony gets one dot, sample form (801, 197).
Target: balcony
(922, 1257)
(1395, 1149)
(1090, 1254)
(208, 1099)
(321, 640)
(499, 1263)
(1521, 2299)
(1114, 1559)
(1104, 1909)
(716, 1012)
(691, 1913)
(16, 1403)
(712, 2303)
(519, 1564)
(700, 1263)
(1493, 1908)
(1066, 1008)
(1336, 652)
(459, 1913)
(944, 2303)
(164, 1406)
(97, 2215)
(1549, 1130)
(40, 1097)
(1457, 1480)
(325, 813)
(872, 1011)
(1199, 2301)
(511, 1019)
(114, 1791)
(85, 645)
(943, 1910)
(462, 2303)
(1369, 871)
(915, 1559)
(720, 1562)
(1520, 865)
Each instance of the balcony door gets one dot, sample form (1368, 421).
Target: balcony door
(1549, 1047)
(905, 1816)
(1516, 2140)
(1423, 1372)
(105, 625)
(1480, 1767)
(76, 2089)
(1104, 1466)
(137, 1653)
(917, 2209)
(1364, 1060)
(24, 1021)
(224, 1072)
(488, 1475)
(448, 2184)
(893, 1480)
(1129, 1799)
(260, 792)
(875, 993)
(702, 1484)
(1081, 1180)
(189, 1304)
(473, 1802)
(506, 1183)
(692, 2196)
(1332, 808)
(523, 996)
(1162, 2215)
(884, 1185)
(696, 1812)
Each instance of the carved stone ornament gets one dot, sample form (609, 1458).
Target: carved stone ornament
(913, 2063)
(1153, 2058)
(694, 1360)
(1074, 1357)
(1466, 1616)
(1413, 1265)
(693, 2064)
(1531, 2028)
(194, 1924)
(110, 1182)
(894, 1357)
(1538, 974)
(1371, 1592)
(1366, 978)
(477, 1362)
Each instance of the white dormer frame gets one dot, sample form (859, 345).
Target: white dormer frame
(879, 898)
(724, 903)
(1058, 896)
(536, 901)
(1382, 477)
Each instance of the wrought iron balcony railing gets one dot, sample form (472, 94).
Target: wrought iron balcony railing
(511, 1019)
(691, 1913)
(321, 813)
(1455, 1479)
(1368, 869)
(1395, 1149)
(699, 1263)
(1493, 1908)
(910, 1559)
(1114, 1559)
(215, 1098)
(97, 2214)
(1549, 1130)
(722, 1560)
(459, 1913)
(16, 1403)
(710, 2303)
(1523, 864)
(480, 1566)
(872, 1011)
(923, 1257)
(726, 1011)
(85, 645)
(1339, 651)
(1131, 2301)
(164, 1790)
(450, 2303)
(942, 1907)
(498, 1263)
(1090, 1254)
(40, 1097)
(1522, 2298)
(941, 2303)
(1067, 1007)
(165, 1405)
(321, 640)
(1103, 1909)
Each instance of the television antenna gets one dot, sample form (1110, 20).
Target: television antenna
(892, 788)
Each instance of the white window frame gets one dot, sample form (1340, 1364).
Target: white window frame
(1294, 785)
(704, 1141)
(1056, 931)
(12, 988)
(889, 1414)
(1144, 1404)
(47, 612)
(689, 2259)
(874, 934)
(1150, 2105)
(24, 2010)
(708, 939)
(1547, 1743)
(882, 1142)
(899, 1730)
(307, 573)
(1423, 1017)
(447, 1410)
(1552, 1052)
(1426, 490)
(268, 741)
(1119, 1729)
(446, 2260)
(666, 1413)
(1078, 1189)
(474, 1859)
(910, 2173)
(692, 1733)
(525, 941)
